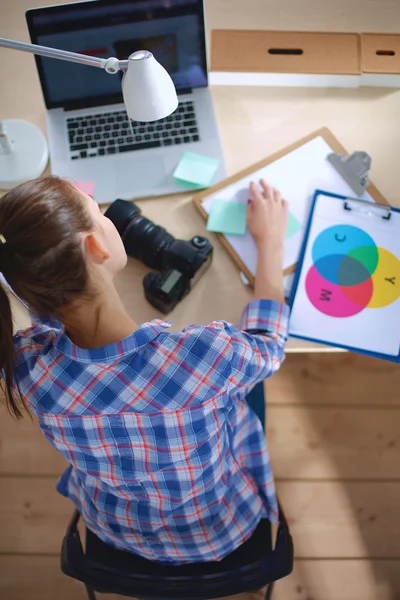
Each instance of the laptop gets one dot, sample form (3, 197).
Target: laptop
(90, 135)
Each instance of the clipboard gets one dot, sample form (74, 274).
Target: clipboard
(370, 315)
(200, 197)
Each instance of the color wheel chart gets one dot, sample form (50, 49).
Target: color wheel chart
(350, 273)
(347, 287)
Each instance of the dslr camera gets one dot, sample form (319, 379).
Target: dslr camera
(180, 263)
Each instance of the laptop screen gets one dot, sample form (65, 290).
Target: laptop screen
(173, 30)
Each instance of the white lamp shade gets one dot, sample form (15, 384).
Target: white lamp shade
(148, 90)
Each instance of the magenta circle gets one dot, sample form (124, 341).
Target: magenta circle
(328, 297)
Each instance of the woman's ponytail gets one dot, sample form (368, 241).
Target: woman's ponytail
(15, 403)
(41, 259)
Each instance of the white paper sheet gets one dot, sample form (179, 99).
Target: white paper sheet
(375, 329)
(297, 175)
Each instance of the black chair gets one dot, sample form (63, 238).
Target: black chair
(250, 567)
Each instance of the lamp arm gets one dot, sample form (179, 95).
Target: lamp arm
(111, 65)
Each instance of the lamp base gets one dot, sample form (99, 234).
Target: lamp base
(29, 155)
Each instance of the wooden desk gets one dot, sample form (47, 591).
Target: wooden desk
(333, 421)
(253, 123)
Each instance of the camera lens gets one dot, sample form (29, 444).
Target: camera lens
(121, 213)
(146, 241)
(142, 239)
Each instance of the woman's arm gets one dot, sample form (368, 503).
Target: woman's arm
(256, 350)
(267, 221)
(222, 354)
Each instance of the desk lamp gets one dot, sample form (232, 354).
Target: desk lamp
(148, 91)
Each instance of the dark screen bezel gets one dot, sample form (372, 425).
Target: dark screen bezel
(105, 98)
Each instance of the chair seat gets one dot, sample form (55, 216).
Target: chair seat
(106, 569)
(252, 550)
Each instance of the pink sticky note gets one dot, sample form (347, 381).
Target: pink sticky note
(87, 187)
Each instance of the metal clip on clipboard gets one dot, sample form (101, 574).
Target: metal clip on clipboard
(354, 169)
(368, 208)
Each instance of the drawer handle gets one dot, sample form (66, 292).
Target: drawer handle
(385, 52)
(286, 51)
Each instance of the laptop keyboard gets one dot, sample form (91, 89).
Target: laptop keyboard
(114, 132)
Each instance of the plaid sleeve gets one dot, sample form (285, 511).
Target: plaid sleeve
(243, 355)
(266, 316)
(259, 347)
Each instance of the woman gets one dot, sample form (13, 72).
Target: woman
(167, 460)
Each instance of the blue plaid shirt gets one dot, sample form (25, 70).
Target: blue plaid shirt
(167, 459)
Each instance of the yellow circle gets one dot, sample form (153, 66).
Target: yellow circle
(386, 280)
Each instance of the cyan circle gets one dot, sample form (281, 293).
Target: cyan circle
(339, 240)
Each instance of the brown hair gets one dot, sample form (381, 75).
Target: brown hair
(41, 259)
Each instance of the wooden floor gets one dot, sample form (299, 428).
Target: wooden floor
(334, 436)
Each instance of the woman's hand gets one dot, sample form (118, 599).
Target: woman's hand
(267, 216)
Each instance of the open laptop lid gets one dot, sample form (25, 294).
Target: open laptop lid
(173, 30)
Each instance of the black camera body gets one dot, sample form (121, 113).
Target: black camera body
(180, 263)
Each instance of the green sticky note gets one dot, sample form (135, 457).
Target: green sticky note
(227, 217)
(196, 169)
(293, 226)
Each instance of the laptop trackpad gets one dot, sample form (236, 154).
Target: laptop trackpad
(139, 174)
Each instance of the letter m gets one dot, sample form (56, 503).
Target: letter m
(325, 295)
